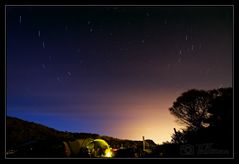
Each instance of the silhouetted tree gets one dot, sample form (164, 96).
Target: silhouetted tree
(221, 109)
(216, 108)
(221, 120)
(191, 108)
(178, 137)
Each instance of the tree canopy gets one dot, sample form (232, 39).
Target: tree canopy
(208, 116)
(191, 108)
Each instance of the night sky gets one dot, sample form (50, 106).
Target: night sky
(113, 70)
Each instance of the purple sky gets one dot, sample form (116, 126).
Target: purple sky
(113, 70)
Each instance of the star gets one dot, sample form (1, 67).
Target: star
(69, 73)
(20, 19)
(58, 78)
(39, 33)
(180, 52)
(43, 66)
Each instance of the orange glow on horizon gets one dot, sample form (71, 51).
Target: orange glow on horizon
(157, 129)
(149, 117)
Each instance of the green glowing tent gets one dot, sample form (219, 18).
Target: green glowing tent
(99, 148)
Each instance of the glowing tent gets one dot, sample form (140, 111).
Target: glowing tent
(99, 148)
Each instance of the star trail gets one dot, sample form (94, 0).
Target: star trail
(113, 70)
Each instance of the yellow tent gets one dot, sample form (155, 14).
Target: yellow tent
(99, 148)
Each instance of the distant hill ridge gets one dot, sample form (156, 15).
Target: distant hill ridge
(19, 131)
